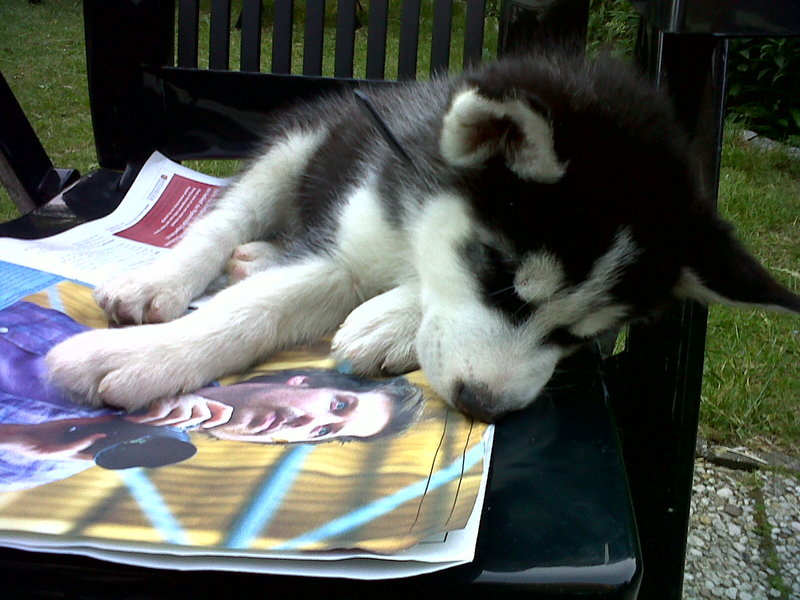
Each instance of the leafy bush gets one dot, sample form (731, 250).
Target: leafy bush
(764, 79)
(612, 27)
(764, 73)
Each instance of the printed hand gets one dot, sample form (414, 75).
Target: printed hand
(187, 410)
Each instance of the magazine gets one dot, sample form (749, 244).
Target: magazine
(182, 485)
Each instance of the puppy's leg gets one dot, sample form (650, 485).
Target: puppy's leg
(378, 336)
(131, 367)
(256, 204)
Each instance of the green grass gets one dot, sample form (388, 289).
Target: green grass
(41, 57)
(751, 390)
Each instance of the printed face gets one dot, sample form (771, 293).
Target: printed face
(293, 412)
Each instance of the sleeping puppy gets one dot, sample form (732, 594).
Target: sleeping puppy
(481, 227)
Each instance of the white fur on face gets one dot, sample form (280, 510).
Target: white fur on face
(464, 142)
(587, 308)
(464, 342)
(461, 340)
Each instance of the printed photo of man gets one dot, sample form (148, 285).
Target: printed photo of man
(297, 406)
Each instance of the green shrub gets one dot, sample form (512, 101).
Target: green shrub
(764, 80)
(612, 27)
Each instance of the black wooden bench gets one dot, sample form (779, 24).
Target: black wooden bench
(558, 521)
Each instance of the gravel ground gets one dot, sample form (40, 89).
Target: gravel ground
(744, 528)
(744, 532)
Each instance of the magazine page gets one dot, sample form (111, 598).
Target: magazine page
(83, 480)
(178, 486)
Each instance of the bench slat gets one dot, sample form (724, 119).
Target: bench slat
(440, 36)
(282, 37)
(345, 39)
(314, 35)
(220, 34)
(188, 27)
(251, 35)
(409, 40)
(376, 38)
(473, 32)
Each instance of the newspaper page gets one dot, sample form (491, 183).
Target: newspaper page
(171, 487)
(163, 200)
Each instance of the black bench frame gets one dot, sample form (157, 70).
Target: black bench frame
(654, 384)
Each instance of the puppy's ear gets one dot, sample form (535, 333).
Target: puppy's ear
(720, 270)
(477, 127)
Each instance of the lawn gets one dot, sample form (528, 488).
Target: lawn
(751, 393)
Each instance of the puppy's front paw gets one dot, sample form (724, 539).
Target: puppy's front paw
(250, 258)
(126, 368)
(143, 296)
(378, 337)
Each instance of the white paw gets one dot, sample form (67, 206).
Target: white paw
(378, 337)
(126, 368)
(143, 296)
(250, 258)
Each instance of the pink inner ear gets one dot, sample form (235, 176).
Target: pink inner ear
(490, 132)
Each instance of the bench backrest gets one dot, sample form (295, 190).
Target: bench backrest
(164, 75)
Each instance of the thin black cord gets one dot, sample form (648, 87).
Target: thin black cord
(365, 103)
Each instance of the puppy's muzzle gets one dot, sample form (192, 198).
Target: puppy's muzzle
(478, 402)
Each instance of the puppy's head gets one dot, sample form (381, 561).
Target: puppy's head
(574, 208)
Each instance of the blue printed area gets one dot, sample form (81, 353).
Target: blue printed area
(153, 505)
(377, 509)
(18, 282)
(268, 498)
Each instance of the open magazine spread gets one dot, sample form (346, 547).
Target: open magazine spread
(168, 487)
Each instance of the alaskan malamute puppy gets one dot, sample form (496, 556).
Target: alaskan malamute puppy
(481, 227)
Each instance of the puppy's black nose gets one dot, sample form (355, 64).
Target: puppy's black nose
(478, 402)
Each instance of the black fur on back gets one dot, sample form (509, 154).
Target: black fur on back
(628, 167)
